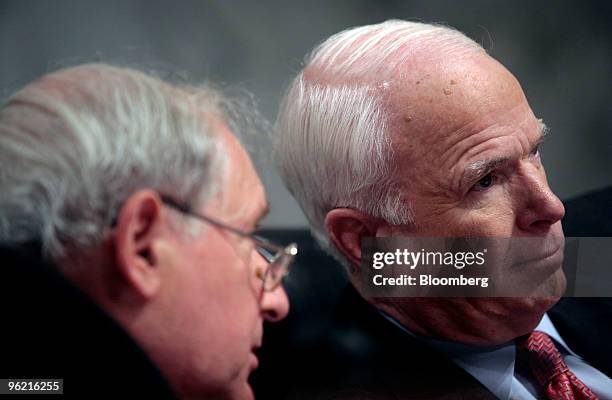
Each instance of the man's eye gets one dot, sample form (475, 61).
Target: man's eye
(535, 153)
(484, 183)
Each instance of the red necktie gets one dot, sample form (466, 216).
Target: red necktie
(551, 371)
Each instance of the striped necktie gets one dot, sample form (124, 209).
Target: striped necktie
(550, 370)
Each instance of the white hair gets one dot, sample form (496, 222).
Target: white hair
(77, 143)
(333, 144)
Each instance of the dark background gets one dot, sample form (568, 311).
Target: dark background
(559, 50)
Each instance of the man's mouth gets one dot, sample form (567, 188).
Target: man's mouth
(551, 254)
(254, 360)
(535, 250)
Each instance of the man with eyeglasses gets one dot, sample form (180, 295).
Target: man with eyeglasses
(127, 212)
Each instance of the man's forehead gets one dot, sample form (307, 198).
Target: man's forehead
(470, 112)
(533, 139)
(450, 88)
(244, 192)
(433, 103)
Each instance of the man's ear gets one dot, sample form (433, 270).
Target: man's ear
(346, 227)
(138, 226)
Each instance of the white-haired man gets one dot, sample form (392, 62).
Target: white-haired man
(410, 129)
(137, 192)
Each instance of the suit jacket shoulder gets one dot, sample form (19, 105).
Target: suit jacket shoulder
(585, 325)
(53, 330)
(362, 355)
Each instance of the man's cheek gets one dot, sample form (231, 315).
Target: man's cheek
(440, 215)
(486, 222)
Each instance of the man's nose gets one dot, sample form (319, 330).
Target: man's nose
(541, 208)
(275, 304)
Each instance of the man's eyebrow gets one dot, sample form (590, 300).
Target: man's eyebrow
(481, 168)
(544, 132)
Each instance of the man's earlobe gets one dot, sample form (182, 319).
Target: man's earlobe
(138, 227)
(346, 227)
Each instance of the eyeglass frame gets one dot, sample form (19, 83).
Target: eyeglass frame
(279, 258)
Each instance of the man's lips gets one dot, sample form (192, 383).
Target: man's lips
(524, 277)
(550, 254)
(254, 362)
(529, 250)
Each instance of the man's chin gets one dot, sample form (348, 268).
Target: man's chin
(239, 392)
(551, 291)
(525, 313)
(244, 391)
(240, 389)
(249, 395)
(237, 388)
(517, 316)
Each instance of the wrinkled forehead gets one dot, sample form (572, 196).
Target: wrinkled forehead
(434, 102)
(242, 193)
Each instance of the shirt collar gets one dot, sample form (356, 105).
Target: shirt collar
(548, 328)
(492, 366)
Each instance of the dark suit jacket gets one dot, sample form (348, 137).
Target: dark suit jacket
(589, 215)
(334, 345)
(50, 329)
(364, 356)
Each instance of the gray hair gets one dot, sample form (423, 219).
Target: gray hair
(333, 144)
(77, 143)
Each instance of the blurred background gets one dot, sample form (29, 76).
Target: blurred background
(561, 52)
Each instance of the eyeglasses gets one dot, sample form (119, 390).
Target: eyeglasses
(279, 258)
